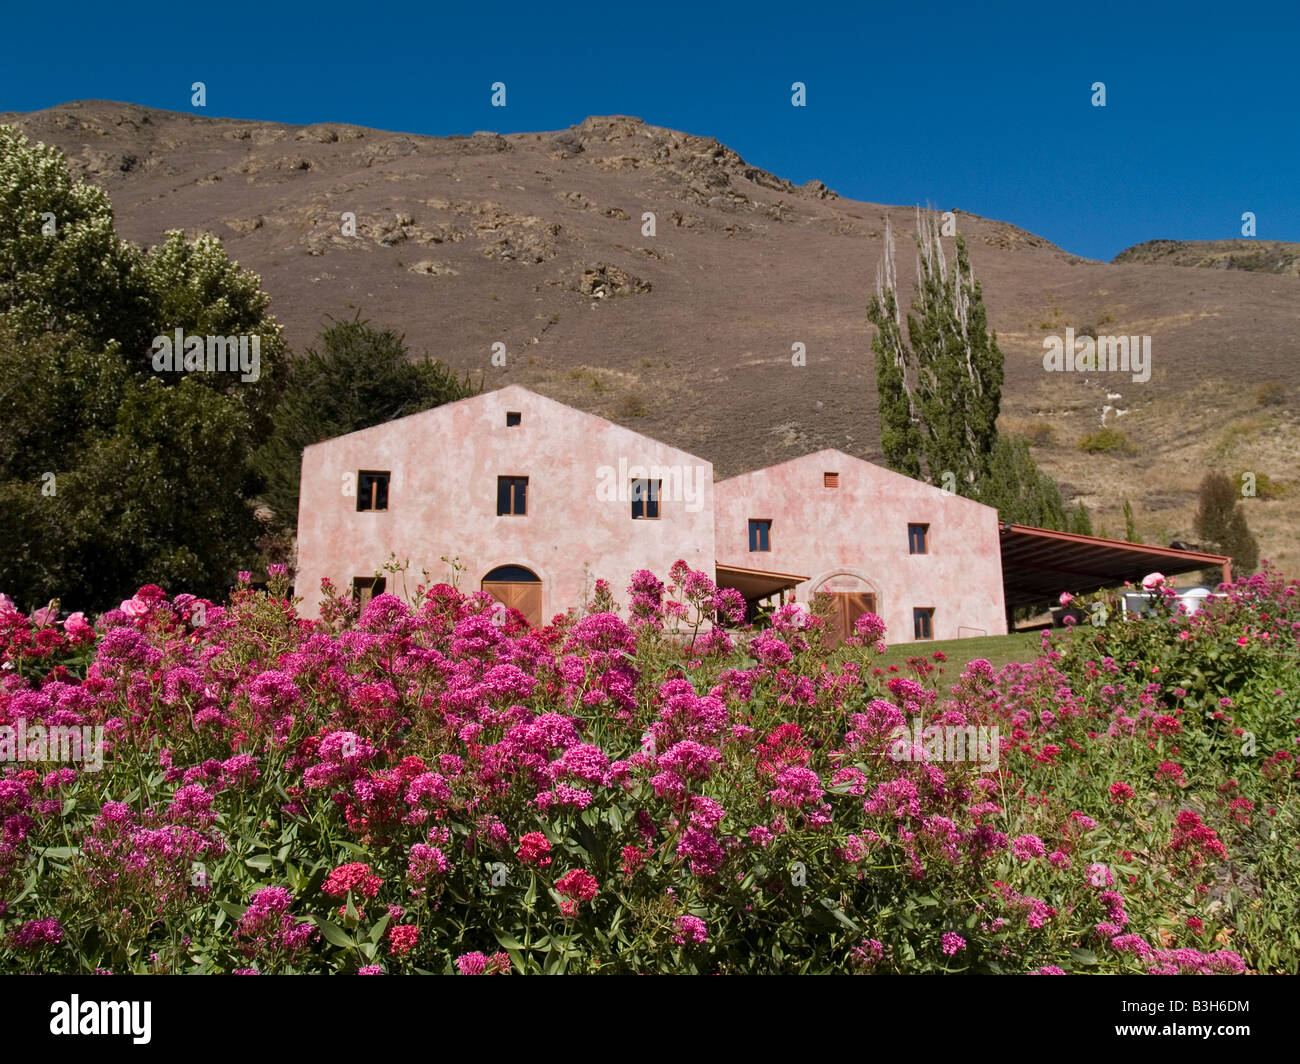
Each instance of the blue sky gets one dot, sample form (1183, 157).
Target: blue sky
(986, 108)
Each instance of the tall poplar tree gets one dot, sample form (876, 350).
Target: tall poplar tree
(940, 389)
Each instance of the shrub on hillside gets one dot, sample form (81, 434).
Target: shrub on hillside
(1108, 441)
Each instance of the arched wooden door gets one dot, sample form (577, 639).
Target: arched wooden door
(518, 588)
(849, 606)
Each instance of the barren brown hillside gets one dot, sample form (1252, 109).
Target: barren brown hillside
(535, 240)
(1261, 256)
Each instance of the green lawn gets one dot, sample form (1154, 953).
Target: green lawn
(998, 650)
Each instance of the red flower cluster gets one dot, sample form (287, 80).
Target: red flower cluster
(354, 877)
(533, 849)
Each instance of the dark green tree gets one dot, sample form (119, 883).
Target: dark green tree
(63, 267)
(1221, 526)
(1079, 521)
(940, 391)
(1130, 524)
(112, 475)
(900, 435)
(109, 481)
(357, 377)
(1021, 493)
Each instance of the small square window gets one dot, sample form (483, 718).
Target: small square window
(918, 539)
(923, 622)
(645, 500)
(513, 418)
(760, 535)
(372, 490)
(512, 496)
(830, 480)
(364, 588)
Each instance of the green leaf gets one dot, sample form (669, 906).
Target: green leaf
(1083, 956)
(839, 915)
(507, 942)
(333, 933)
(377, 932)
(261, 861)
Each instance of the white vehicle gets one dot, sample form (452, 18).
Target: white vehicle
(1139, 603)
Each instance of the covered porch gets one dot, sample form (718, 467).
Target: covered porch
(1039, 563)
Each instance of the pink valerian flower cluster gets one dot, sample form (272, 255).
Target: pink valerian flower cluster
(690, 930)
(402, 939)
(140, 870)
(355, 878)
(796, 787)
(686, 763)
(952, 943)
(871, 630)
(1193, 962)
(865, 956)
(1027, 847)
(1194, 841)
(1099, 875)
(534, 849)
(481, 964)
(575, 887)
(771, 651)
(425, 863)
(647, 592)
(35, 934)
(1120, 792)
(699, 845)
(268, 931)
(535, 718)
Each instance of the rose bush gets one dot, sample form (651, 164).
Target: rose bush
(432, 786)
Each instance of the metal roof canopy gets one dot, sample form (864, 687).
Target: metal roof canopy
(1038, 563)
(756, 583)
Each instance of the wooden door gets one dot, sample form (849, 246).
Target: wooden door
(526, 598)
(849, 606)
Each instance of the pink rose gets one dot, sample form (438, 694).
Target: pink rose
(1066, 598)
(45, 615)
(133, 607)
(1153, 580)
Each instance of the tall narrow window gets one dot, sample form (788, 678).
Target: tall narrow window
(372, 490)
(760, 535)
(830, 480)
(923, 622)
(918, 539)
(512, 496)
(645, 500)
(364, 588)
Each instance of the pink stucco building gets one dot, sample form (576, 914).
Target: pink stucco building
(928, 562)
(525, 492)
(537, 500)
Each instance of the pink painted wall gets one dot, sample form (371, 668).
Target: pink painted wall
(442, 500)
(854, 538)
